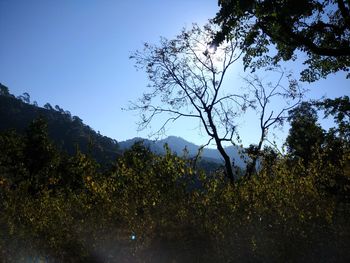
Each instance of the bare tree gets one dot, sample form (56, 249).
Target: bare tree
(186, 77)
(265, 95)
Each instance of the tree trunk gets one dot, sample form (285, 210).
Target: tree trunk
(251, 167)
(228, 165)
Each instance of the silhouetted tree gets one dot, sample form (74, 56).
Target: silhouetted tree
(25, 97)
(264, 96)
(48, 106)
(41, 156)
(187, 75)
(321, 29)
(339, 108)
(59, 109)
(305, 135)
(4, 91)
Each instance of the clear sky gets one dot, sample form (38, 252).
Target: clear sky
(75, 54)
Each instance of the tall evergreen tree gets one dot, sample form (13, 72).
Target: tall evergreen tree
(305, 135)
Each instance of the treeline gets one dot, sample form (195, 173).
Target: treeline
(68, 132)
(149, 208)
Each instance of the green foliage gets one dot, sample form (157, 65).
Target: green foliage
(339, 108)
(62, 208)
(305, 135)
(284, 213)
(320, 29)
(40, 157)
(308, 142)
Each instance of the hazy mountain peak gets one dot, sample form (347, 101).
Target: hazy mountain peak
(178, 144)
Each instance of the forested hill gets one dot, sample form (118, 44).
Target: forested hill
(68, 132)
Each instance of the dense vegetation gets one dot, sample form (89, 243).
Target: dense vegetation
(318, 29)
(68, 132)
(58, 205)
(151, 208)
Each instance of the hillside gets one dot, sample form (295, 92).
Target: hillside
(68, 132)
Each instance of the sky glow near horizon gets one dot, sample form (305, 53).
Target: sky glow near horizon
(75, 54)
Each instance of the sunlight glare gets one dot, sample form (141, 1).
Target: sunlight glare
(211, 49)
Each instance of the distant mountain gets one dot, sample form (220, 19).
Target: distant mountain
(178, 144)
(69, 133)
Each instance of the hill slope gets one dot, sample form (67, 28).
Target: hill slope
(68, 132)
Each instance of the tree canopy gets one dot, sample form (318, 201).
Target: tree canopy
(339, 108)
(305, 135)
(321, 29)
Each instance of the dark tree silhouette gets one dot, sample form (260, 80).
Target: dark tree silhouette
(48, 106)
(321, 29)
(339, 108)
(264, 96)
(25, 97)
(305, 135)
(186, 80)
(4, 91)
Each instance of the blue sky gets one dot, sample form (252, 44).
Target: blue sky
(75, 54)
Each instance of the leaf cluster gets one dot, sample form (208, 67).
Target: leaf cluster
(320, 29)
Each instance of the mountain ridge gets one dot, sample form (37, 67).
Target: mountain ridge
(179, 144)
